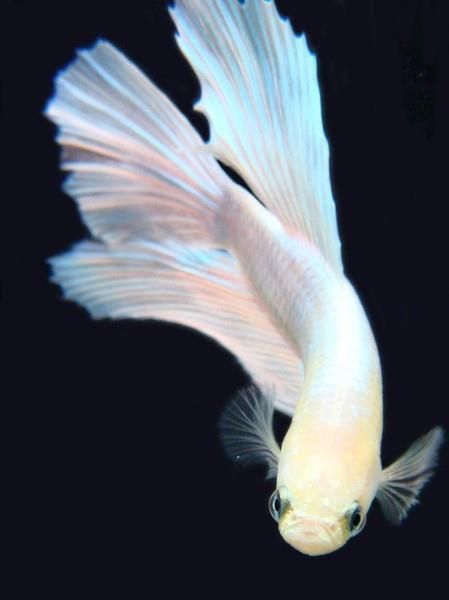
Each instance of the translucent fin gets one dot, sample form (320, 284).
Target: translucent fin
(129, 149)
(197, 288)
(246, 428)
(403, 480)
(260, 94)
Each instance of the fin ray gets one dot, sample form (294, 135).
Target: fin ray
(246, 429)
(202, 289)
(403, 480)
(260, 94)
(127, 147)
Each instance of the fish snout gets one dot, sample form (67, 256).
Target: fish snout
(313, 536)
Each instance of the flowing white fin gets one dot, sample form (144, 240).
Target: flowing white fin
(246, 429)
(202, 289)
(403, 480)
(260, 94)
(136, 169)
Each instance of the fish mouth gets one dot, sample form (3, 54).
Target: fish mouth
(312, 536)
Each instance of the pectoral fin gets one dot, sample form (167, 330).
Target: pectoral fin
(246, 429)
(403, 480)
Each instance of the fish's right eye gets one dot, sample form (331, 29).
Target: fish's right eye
(274, 505)
(355, 519)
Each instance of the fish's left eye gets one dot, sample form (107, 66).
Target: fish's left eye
(274, 505)
(355, 518)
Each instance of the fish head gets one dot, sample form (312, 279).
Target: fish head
(326, 483)
(315, 531)
(319, 529)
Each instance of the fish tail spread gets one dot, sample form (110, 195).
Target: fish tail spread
(260, 94)
(159, 206)
(139, 170)
(152, 196)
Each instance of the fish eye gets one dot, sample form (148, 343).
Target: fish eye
(355, 519)
(274, 505)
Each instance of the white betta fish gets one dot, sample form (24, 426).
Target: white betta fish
(176, 239)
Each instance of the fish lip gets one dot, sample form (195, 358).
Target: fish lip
(310, 530)
(313, 537)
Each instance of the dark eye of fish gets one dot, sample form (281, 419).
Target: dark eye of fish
(274, 505)
(355, 519)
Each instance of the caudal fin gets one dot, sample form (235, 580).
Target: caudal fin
(152, 195)
(260, 93)
(139, 169)
(202, 289)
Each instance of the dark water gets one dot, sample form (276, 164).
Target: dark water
(119, 484)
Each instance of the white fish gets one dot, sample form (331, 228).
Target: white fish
(174, 238)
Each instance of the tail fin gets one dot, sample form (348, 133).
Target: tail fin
(152, 194)
(202, 289)
(136, 169)
(260, 93)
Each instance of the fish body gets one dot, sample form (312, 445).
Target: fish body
(176, 239)
(333, 442)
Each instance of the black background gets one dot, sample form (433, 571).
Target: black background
(119, 483)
